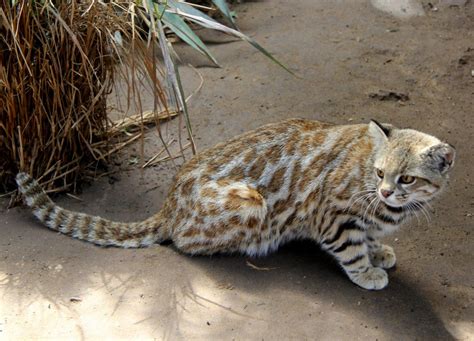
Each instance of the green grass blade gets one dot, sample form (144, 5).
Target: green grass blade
(182, 30)
(224, 9)
(176, 5)
(174, 81)
(205, 21)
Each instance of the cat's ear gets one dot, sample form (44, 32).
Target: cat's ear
(441, 157)
(379, 132)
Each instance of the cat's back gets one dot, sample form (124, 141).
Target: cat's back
(275, 135)
(270, 147)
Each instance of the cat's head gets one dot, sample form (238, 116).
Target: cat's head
(409, 166)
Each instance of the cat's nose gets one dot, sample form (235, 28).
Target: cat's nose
(386, 193)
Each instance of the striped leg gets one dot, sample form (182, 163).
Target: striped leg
(230, 218)
(347, 243)
(381, 255)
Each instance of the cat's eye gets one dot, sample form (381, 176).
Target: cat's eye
(379, 173)
(406, 179)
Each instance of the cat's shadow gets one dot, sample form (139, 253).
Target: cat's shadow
(401, 310)
(294, 284)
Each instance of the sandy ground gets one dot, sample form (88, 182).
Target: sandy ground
(52, 286)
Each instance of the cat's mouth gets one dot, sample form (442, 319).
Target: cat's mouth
(406, 205)
(392, 202)
(395, 208)
(404, 208)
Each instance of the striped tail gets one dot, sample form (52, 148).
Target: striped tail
(82, 226)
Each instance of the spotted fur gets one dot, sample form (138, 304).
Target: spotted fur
(291, 180)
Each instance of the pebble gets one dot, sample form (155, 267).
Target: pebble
(453, 2)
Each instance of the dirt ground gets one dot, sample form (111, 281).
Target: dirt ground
(52, 286)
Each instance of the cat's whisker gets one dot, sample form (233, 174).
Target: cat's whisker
(419, 207)
(413, 211)
(370, 188)
(354, 196)
(364, 216)
(361, 199)
(359, 192)
(374, 210)
(427, 203)
(363, 195)
(423, 210)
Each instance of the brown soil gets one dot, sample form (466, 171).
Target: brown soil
(52, 286)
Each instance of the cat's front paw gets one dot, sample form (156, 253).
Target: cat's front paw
(383, 257)
(371, 279)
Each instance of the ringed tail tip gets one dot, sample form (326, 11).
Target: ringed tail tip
(31, 190)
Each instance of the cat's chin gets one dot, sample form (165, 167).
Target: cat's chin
(395, 206)
(392, 204)
(394, 209)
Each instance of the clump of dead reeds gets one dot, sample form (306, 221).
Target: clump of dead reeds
(57, 65)
(55, 69)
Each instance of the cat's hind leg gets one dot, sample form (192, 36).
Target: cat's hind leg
(227, 216)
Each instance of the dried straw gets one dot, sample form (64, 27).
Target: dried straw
(55, 70)
(58, 61)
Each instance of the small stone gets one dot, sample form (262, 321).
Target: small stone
(451, 3)
(387, 95)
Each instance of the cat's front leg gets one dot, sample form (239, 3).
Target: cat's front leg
(381, 255)
(347, 243)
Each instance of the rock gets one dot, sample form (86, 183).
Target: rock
(384, 95)
(452, 3)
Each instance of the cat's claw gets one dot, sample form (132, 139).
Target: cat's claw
(383, 257)
(372, 279)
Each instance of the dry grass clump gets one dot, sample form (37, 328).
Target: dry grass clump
(55, 70)
(57, 65)
(58, 60)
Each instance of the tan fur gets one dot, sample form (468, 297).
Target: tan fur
(290, 180)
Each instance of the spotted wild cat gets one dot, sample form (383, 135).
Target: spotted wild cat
(343, 186)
